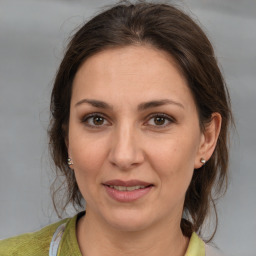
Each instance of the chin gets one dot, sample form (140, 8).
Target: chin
(130, 221)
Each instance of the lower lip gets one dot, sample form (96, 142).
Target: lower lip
(127, 196)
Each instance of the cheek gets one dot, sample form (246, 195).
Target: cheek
(88, 154)
(173, 155)
(87, 166)
(87, 157)
(174, 164)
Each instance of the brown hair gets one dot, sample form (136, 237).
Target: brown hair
(164, 27)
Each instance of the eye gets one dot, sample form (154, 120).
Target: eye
(160, 120)
(95, 120)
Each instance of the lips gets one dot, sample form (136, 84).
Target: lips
(127, 191)
(129, 183)
(124, 188)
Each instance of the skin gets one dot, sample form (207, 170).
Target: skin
(127, 143)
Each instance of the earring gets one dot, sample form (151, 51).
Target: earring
(70, 162)
(203, 161)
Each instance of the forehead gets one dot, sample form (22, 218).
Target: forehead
(129, 60)
(130, 72)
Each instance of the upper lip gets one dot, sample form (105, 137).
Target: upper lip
(128, 183)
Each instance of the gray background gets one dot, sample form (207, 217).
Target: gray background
(33, 35)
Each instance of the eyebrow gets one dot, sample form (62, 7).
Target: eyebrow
(141, 106)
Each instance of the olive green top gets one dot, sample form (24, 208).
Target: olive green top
(38, 243)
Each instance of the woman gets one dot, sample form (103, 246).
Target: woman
(139, 129)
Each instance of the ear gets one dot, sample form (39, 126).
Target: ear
(69, 160)
(208, 140)
(67, 142)
(65, 131)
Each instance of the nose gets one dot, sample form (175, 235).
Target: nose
(126, 151)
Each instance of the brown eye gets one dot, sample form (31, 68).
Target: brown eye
(98, 120)
(95, 121)
(159, 120)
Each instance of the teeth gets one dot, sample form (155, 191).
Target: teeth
(123, 188)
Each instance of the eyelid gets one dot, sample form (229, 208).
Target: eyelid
(152, 115)
(157, 114)
(91, 115)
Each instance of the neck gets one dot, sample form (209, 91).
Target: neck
(95, 238)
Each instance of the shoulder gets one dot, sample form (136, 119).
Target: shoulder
(36, 243)
(197, 247)
(212, 251)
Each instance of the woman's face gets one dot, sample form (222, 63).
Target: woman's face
(134, 137)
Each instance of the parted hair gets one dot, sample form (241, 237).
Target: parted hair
(168, 28)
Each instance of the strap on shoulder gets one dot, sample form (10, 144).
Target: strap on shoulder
(55, 243)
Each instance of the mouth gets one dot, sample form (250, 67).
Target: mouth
(127, 191)
(129, 185)
(132, 188)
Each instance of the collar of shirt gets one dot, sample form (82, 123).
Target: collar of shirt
(196, 246)
(69, 242)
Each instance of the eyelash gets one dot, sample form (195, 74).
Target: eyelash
(155, 115)
(161, 115)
